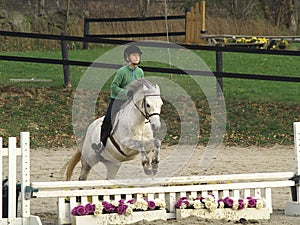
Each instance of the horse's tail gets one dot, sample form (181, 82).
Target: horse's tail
(71, 163)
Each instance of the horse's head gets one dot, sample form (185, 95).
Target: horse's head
(146, 98)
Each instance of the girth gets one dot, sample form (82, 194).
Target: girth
(117, 146)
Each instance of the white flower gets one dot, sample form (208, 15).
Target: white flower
(211, 205)
(98, 212)
(198, 204)
(235, 204)
(221, 205)
(210, 198)
(141, 204)
(129, 211)
(191, 202)
(131, 206)
(246, 203)
(99, 206)
(259, 204)
(159, 203)
(183, 206)
(115, 203)
(191, 198)
(98, 209)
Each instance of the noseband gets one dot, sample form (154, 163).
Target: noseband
(145, 113)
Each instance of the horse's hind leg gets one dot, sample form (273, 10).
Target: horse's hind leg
(112, 169)
(85, 169)
(155, 158)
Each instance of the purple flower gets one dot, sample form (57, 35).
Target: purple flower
(131, 201)
(220, 201)
(108, 207)
(74, 211)
(79, 211)
(90, 208)
(228, 202)
(241, 204)
(251, 202)
(151, 205)
(182, 200)
(121, 209)
(178, 203)
(121, 202)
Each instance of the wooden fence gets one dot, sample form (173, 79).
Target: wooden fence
(219, 49)
(194, 25)
(87, 21)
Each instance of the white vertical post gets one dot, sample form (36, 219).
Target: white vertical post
(25, 173)
(1, 178)
(268, 197)
(12, 176)
(292, 208)
(297, 149)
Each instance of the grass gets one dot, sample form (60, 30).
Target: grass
(258, 112)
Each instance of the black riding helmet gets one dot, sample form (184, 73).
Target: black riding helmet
(130, 50)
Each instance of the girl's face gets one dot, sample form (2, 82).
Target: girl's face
(134, 58)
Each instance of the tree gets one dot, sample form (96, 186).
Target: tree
(286, 14)
(41, 7)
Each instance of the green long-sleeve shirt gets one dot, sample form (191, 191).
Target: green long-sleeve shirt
(123, 77)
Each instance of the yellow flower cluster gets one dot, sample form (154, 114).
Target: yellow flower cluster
(261, 42)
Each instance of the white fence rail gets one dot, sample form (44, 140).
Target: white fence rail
(236, 185)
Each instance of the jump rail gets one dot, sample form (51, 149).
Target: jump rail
(169, 190)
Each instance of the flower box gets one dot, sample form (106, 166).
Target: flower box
(224, 214)
(114, 218)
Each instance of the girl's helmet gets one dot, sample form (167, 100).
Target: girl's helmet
(130, 50)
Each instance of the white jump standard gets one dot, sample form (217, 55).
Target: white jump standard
(292, 208)
(12, 152)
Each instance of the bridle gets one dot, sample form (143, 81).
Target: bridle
(144, 112)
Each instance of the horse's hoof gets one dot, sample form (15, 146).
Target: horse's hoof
(154, 168)
(148, 170)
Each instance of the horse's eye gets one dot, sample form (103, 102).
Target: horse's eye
(148, 105)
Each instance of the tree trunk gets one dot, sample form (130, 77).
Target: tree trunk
(279, 14)
(67, 16)
(41, 7)
(57, 4)
(143, 7)
(265, 8)
(292, 16)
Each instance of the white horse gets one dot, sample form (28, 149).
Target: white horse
(132, 134)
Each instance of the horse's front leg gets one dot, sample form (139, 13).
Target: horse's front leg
(155, 158)
(145, 161)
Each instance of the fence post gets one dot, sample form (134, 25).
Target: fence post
(188, 26)
(86, 30)
(65, 58)
(219, 70)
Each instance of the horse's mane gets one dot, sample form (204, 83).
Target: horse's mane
(138, 84)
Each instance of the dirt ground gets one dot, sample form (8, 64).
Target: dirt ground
(47, 163)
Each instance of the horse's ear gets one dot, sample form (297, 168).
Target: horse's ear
(157, 87)
(145, 86)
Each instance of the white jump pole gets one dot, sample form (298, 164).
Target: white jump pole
(293, 207)
(297, 153)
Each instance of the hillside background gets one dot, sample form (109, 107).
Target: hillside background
(252, 17)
